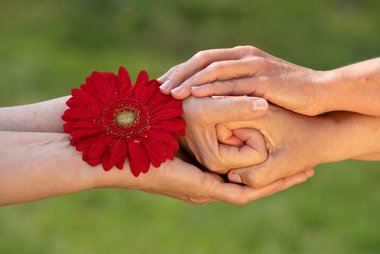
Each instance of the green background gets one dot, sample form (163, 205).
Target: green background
(48, 47)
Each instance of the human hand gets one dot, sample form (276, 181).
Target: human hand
(246, 70)
(205, 130)
(186, 182)
(295, 143)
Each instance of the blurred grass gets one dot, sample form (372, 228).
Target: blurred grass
(48, 47)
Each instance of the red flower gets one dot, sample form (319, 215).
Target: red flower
(109, 120)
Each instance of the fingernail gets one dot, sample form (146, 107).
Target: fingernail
(259, 105)
(196, 88)
(176, 90)
(165, 85)
(235, 178)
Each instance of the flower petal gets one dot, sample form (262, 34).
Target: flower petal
(140, 84)
(82, 96)
(106, 161)
(138, 159)
(165, 136)
(167, 113)
(119, 153)
(124, 79)
(170, 125)
(152, 152)
(98, 147)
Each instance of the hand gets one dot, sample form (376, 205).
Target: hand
(246, 70)
(203, 139)
(186, 182)
(295, 144)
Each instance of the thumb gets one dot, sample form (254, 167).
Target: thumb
(234, 108)
(256, 176)
(252, 151)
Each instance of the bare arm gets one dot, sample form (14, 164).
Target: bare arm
(247, 70)
(41, 165)
(353, 88)
(39, 117)
(297, 142)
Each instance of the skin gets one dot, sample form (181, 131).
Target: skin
(297, 142)
(215, 147)
(36, 162)
(246, 70)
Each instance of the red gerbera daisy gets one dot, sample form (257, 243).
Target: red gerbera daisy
(110, 120)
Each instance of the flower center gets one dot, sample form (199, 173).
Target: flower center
(125, 117)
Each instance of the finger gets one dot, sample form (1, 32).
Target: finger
(226, 136)
(199, 61)
(242, 86)
(163, 78)
(223, 70)
(248, 194)
(253, 151)
(232, 108)
(260, 175)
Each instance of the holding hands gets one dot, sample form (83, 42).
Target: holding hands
(294, 140)
(263, 122)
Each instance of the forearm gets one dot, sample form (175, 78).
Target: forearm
(39, 117)
(353, 88)
(352, 136)
(41, 165)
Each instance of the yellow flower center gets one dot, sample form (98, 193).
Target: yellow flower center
(125, 117)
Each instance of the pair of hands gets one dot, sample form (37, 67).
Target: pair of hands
(209, 137)
(230, 134)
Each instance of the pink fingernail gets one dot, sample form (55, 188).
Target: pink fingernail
(165, 85)
(176, 90)
(235, 178)
(260, 105)
(196, 88)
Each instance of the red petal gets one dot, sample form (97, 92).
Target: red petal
(140, 84)
(107, 163)
(98, 147)
(77, 113)
(165, 136)
(157, 146)
(72, 102)
(151, 89)
(84, 124)
(82, 144)
(93, 161)
(153, 154)
(158, 101)
(119, 152)
(68, 127)
(167, 113)
(125, 80)
(82, 96)
(85, 132)
(175, 124)
(138, 159)
(179, 132)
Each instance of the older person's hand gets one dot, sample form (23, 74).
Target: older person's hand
(246, 70)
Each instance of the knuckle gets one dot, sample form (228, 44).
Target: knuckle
(242, 106)
(202, 56)
(174, 75)
(250, 179)
(215, 66)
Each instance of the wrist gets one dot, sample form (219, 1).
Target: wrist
(350, 136)
(326, 87)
